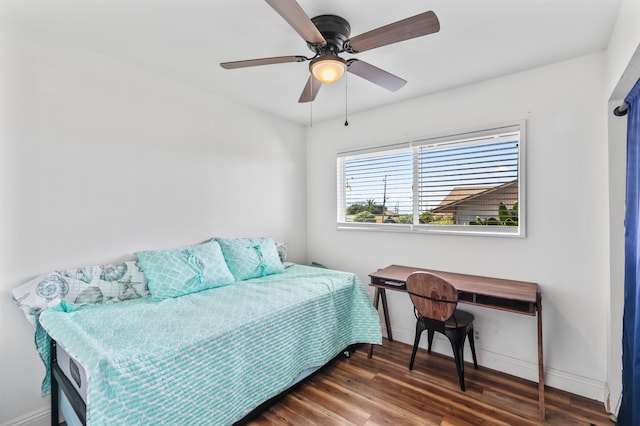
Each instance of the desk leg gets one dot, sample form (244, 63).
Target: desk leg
(385, 310)
(540, 360)
(380, 293)
(376, 297)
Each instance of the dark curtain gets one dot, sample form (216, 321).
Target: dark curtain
(629, 414)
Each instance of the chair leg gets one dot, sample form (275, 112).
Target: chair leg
(457, 344)
(419, 330)
(431, 334)
(472, 343)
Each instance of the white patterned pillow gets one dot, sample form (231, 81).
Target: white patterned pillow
(251, 257)
(179, 271)
(88, 285)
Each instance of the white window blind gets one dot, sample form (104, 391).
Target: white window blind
(469, 183)
(378, 187)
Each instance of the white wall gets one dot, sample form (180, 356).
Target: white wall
(617, 127)
(624, 42)
(566, 249)
(100, 159)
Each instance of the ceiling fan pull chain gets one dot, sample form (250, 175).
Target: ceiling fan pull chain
(346, 99)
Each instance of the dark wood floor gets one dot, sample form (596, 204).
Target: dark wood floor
(382, 391)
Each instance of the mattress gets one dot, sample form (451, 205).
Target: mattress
(70, 416)
(74, 371)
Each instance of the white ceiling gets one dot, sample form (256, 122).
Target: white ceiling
(187, 39)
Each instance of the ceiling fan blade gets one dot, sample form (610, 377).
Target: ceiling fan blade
(295, 16)
(405, 29)
(261, 61)
(311, 90)
(375, 75)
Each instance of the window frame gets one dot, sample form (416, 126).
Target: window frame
(413, 146)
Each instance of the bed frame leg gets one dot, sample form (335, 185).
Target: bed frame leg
(349, 351)
(55, 415)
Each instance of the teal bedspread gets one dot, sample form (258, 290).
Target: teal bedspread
(211, 357)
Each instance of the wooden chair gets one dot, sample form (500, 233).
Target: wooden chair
(434, 300)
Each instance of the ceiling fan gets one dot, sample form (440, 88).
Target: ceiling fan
(328, 35)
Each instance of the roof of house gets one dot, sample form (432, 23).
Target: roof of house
(465, 193)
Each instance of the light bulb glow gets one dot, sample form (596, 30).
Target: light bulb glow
(328, 70)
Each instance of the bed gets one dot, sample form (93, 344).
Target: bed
(208, 356)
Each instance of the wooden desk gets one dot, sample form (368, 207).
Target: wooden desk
(506, 295)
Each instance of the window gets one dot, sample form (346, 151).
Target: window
(465, 183)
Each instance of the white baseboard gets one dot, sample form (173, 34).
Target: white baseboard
(562, 380)
(39, 417)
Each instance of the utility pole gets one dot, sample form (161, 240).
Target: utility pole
(384, 198)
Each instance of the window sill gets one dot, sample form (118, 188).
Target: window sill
(469, 230)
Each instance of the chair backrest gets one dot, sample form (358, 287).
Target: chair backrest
(433, 296)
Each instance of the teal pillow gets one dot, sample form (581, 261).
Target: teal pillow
(251, 257)
(176, 272)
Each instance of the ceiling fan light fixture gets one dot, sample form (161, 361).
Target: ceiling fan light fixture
(328, 68)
